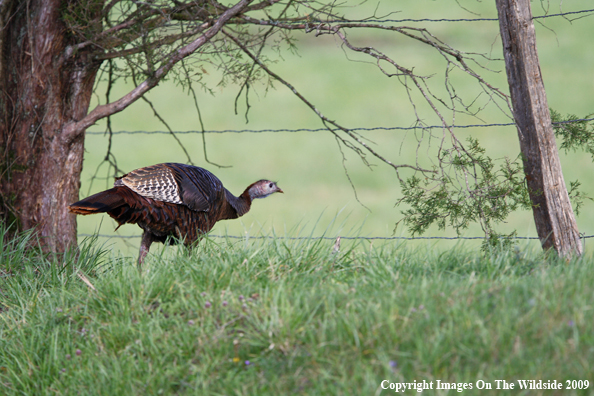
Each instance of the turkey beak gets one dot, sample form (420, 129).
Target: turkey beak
(279, 190)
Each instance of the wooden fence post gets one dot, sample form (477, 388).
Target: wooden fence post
(553, 215)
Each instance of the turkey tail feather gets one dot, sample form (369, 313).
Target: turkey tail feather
(105, 201)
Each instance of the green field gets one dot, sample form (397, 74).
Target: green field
(281, 317)
(308, 166)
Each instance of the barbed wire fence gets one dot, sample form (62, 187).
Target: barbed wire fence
(298, 130)
(579, 14)
(370, 238)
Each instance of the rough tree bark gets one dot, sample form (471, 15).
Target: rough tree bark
(553, 214)
(40, 91)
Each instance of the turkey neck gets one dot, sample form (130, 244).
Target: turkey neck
(241, 204)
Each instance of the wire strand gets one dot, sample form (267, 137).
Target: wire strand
(326, 238)
(314, 22)
(286, 130)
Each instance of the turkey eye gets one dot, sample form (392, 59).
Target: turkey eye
(270, 185)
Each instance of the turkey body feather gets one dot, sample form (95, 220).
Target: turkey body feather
(171, 200)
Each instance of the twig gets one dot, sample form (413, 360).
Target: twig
(324, 119)
(83, 278)
(73, 129)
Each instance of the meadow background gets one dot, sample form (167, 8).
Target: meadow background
(308, 166)
(292, 316)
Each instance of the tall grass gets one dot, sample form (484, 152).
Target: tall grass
(289, 317)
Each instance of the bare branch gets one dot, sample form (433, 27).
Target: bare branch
(167, 40)
(324, 119)
(199, 113)
(75, 129)
(246, 83)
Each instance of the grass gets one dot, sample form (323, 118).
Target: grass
(283, 316)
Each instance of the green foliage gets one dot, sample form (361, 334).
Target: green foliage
(576, 133)
(471, 189)
(280, 316)
(474, 189)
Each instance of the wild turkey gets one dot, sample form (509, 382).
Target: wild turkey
(172, 200)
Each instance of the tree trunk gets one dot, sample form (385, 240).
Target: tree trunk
(553, 215)
(41, 91)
